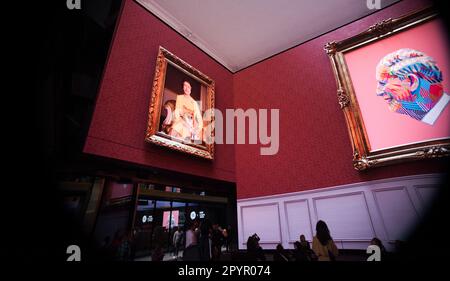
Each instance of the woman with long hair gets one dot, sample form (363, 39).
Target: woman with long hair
(323, 245)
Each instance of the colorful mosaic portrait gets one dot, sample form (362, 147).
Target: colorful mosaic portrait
(392, 82)
(411, 83)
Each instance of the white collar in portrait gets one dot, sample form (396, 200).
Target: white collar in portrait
(434, 113)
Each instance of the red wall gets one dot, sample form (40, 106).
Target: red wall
(116, 190)
(315, 149)
(119, 122)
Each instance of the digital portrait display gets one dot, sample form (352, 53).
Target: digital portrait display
(180, 112)
(393, 89)
(402, 91)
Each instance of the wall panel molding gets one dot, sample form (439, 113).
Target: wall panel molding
(259, 218)
(348, 218)
(355, 213)
(396, 210)
(425, 193)
(292, 216)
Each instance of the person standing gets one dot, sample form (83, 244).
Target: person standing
(323, 245)
(191, 250)
(176, 241)
(187, 117)
(216, 242)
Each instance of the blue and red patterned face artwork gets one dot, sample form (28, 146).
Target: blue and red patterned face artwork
(411, 83)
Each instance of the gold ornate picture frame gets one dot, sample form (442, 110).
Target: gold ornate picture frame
(364, 155)
(181, 115)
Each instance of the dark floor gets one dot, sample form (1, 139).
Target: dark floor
(348, 255)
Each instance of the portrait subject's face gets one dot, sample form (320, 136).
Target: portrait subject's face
(187, 88)
(410, 82)
(396, 92)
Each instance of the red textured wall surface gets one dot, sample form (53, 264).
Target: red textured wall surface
(315, 149)
(119, 121)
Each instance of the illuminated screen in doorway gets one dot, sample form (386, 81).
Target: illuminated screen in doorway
(173, 219)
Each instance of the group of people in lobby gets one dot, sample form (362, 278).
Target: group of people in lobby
(323, 248)
(204, 241)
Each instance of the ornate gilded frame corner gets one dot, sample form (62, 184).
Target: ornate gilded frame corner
(363, 157)
(152, 134)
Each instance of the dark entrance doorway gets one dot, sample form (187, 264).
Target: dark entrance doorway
(160, 213)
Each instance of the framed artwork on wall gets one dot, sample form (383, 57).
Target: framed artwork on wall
(181, 115)
(393, 87)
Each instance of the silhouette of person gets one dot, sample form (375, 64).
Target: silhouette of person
(323, 245)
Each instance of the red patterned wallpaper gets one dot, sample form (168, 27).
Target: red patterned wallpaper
(315, 149)
(119, 122)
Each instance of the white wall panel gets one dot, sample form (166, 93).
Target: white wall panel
(346, 215)
(426, 193)
(262, 219)
(355, 213)
(298, 220)
(397, 211)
